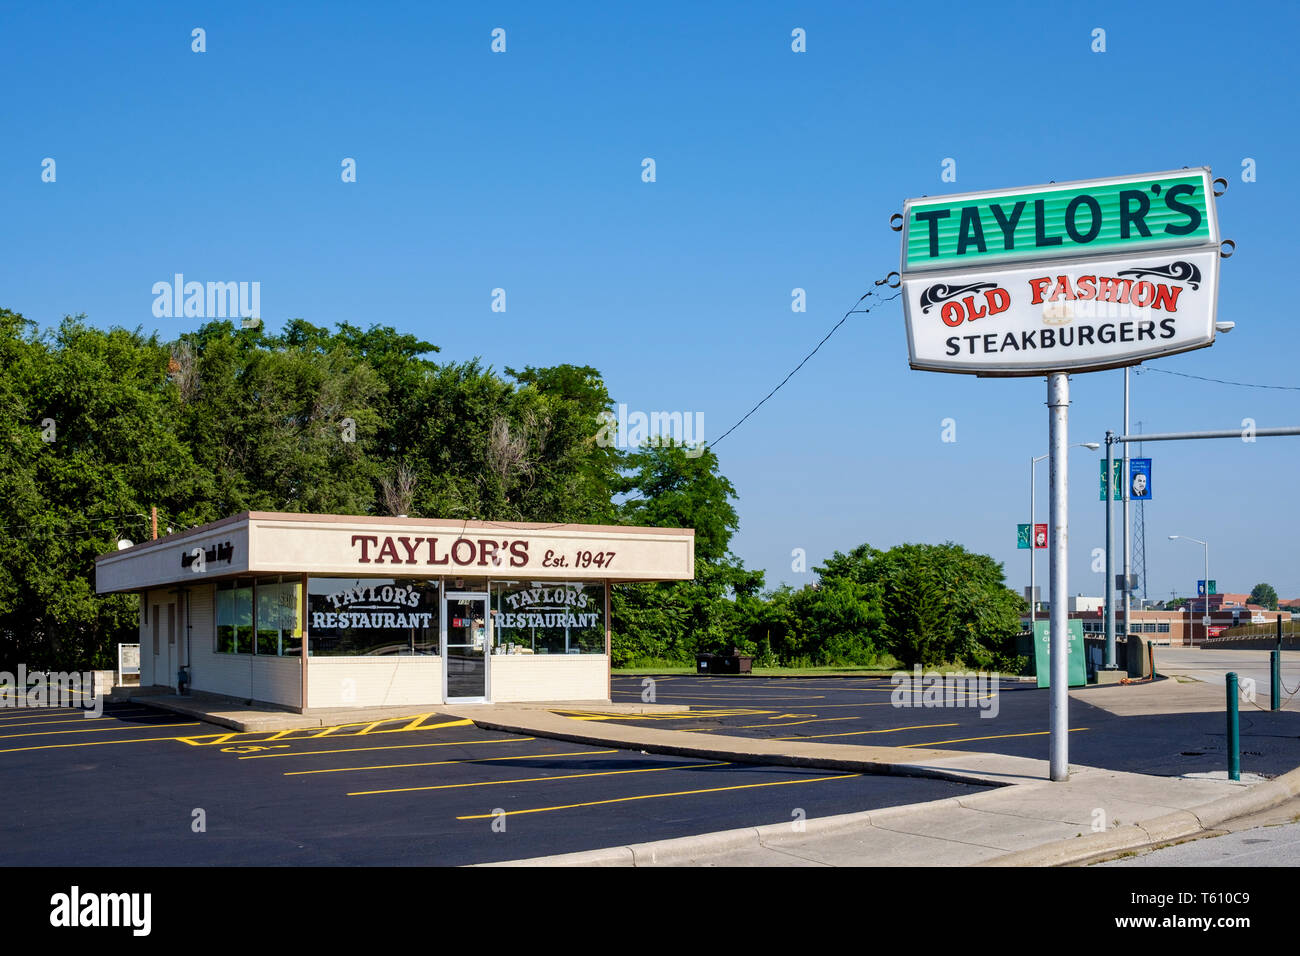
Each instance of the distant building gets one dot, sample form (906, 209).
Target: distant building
(1081, 604)
(1177, 625)
(1218, 601)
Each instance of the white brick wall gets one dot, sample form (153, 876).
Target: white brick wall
(373, 681)
(531, 677)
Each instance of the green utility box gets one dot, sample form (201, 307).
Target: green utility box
(1042, 639)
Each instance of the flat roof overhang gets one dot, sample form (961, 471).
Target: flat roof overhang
(267, 542)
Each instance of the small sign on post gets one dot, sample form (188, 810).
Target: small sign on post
(1139, 479)
(128, 662)
(1117, 466)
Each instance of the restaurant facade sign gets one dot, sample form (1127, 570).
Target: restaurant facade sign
(342, 545)
(1065, 277)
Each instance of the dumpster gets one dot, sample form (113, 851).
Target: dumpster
(733, 663)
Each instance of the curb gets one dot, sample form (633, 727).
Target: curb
(685, 850)
(1178, 825)
(288, 722)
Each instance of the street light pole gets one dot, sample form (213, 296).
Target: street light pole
(1033, 541)
(1205, 620)
(1033, 536)
(1109, 494)
(1124, 489)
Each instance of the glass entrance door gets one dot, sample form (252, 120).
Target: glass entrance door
(466, 645)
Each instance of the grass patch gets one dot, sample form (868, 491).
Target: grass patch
(885, 668)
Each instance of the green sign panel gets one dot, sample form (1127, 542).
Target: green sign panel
(1117, 484)
(1078, 220)
(1022, 536)
(1042, 653)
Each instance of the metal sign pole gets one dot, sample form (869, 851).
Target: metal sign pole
(1058, 403)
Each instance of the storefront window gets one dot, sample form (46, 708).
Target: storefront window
(549, 617)
(235, 617)
(279, 617)
(372, 616)
(260, 618)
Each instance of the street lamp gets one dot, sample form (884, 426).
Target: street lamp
(1205, 621)
(1033, 544)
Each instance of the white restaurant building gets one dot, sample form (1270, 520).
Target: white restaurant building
(390, 611)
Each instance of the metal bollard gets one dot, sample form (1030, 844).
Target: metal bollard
(1234, 730)
(1275, 668)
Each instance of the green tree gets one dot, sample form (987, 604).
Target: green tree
(938, 603)
(666, 485)
(1264, 595)
(91, 437)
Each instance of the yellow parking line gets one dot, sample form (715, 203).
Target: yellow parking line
(309, 733)
(206, 740)
(655, 796)
(369, 727)
(793, 723)
(962, 740)
(349, 750)
(599, 715)
(566, 776)
(62, 720)
(859, 733)
(64, 713)
(88, 730)
(439, 763)
(743, 697)
(86, 743)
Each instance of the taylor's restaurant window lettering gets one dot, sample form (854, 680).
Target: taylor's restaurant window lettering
(268, 609)
(547, 617)
(372, 616)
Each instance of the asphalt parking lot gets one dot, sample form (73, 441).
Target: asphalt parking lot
(141, 787)
(859, 711)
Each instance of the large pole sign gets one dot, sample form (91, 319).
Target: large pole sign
(1066, 277)
(1048, 280)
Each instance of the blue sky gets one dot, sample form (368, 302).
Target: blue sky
(774, 170)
